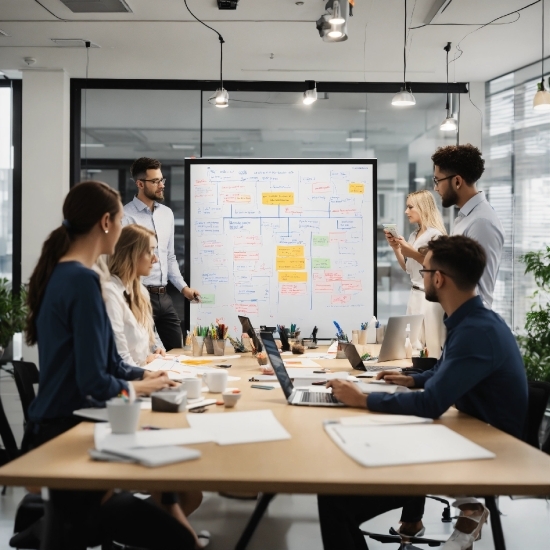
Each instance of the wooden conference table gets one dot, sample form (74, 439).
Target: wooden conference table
(309, 462)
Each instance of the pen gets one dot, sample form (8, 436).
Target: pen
(257, 386)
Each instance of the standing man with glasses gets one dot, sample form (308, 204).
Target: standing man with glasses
(146, 210)
(457, 168)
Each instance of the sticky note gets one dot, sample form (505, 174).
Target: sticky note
(320, 263)
(292, 276)
(357, 188)
(320, 240)
(291, 263)
(293, 251)
(282, 198)
(208, 299)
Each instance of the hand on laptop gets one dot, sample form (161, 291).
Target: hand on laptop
(392, 377)
(348, 393)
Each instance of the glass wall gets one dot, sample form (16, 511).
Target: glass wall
(6, 185)
(121, 125)
(518, 183)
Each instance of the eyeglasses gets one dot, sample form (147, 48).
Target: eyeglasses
(155, 182)
(422, 271)
(436, 181)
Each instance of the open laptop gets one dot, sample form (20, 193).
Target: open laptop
(294, 396)
(247, 328)
(393, 346)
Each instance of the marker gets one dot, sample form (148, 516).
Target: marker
(258, 387)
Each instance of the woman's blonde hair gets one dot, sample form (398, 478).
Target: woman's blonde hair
(134, 242)
(430, 216)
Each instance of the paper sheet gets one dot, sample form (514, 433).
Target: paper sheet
(373, 419)
(299, 362)
(385, 445)
(240, 427)
(374, 387)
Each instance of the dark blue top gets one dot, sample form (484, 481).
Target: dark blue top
(480, 371)
(79, 363)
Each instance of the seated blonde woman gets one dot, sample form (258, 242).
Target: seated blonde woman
(127, 300)
(129, 309)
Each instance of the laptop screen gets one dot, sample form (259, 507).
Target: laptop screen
(247, 328)
(277, 363)
(353, 356)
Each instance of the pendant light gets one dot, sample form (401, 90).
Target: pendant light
(449, 124)
(404, 98)
(541, 101)
(310, 95)
(336, 17)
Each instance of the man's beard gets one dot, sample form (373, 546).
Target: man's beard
(152, 196)
(450, 198)
(431, 294)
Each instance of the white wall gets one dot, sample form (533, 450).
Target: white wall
(470, 117)
(45, 170)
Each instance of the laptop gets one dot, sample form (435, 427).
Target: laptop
(393, 346)
(294, 396)
(247, 328)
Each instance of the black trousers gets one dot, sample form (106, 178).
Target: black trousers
(167, 321)
(341, 516)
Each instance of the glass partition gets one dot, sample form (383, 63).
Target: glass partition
(6, 185)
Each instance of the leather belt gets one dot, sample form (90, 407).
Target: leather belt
(418, 288)
(156, 289)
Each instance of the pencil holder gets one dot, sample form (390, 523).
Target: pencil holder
(208, 344)
(362, 337)
(355, 336)
(219, 347)
(198, 343)
(261, 358)
(340, 354)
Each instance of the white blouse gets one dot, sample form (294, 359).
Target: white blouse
(132, 339)
(412, 267)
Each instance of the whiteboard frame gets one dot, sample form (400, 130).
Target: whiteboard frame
(189, 162)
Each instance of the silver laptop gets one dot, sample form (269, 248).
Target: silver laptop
(393, 346)
(294, 396)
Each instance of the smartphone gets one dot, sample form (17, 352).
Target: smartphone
(391, 228)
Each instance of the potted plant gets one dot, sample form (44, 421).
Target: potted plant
(535, 342)
(13, 312)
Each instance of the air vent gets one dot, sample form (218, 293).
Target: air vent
(72, 42)
(97, 6)
(227, 4)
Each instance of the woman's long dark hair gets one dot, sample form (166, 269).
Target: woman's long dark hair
(84, 206)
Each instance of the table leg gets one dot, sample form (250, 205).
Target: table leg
(255, 518)
(496, 525)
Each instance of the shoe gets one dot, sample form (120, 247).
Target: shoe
(460, 540)
(407, 535)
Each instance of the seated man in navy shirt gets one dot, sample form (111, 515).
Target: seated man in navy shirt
(480, 371)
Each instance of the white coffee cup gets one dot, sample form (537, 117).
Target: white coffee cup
(123, 416)
(216, 381)
(193, 387)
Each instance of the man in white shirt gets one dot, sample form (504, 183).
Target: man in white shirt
(457, 168)
(146, 209)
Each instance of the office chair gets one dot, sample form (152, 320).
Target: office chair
(538, 397)
(26, 375)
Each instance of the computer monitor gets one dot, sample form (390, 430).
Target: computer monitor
(248, 329)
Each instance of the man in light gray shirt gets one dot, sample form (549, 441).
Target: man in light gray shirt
(146, 210)
(457, 168)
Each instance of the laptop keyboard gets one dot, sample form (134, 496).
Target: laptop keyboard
(317, 397)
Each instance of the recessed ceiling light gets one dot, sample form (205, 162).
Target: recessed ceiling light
(355, 139)
(363, 110)
(92, 145)
(182, 146)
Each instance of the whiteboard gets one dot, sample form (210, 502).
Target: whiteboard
(285, 241)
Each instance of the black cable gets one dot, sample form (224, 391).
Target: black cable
(50, 12)
(405, 49)
(87, 45)
(220, 37)
(465, 24)
(542, 56)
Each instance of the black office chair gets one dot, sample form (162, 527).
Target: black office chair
(539, 395)
(26, 375)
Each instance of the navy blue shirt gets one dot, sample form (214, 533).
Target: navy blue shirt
(480, 371)
(79, 363)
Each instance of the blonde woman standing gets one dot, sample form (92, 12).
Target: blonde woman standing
(127, 300)
(422, 210)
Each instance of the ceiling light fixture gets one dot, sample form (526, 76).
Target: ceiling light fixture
(310, 95)
(333, 24)
(355, 139)
(541, 101)
(404, 97)
(221, 97)
(449, 124)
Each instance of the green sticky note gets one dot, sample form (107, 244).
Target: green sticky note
(320, 263)
(320, 240)
(208, 299)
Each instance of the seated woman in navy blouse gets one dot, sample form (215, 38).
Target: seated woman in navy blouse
(80, 367)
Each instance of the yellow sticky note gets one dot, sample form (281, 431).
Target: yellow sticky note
(291, 263)
(292, 276)
(278, 198)
(292, 251)
(357, 188)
